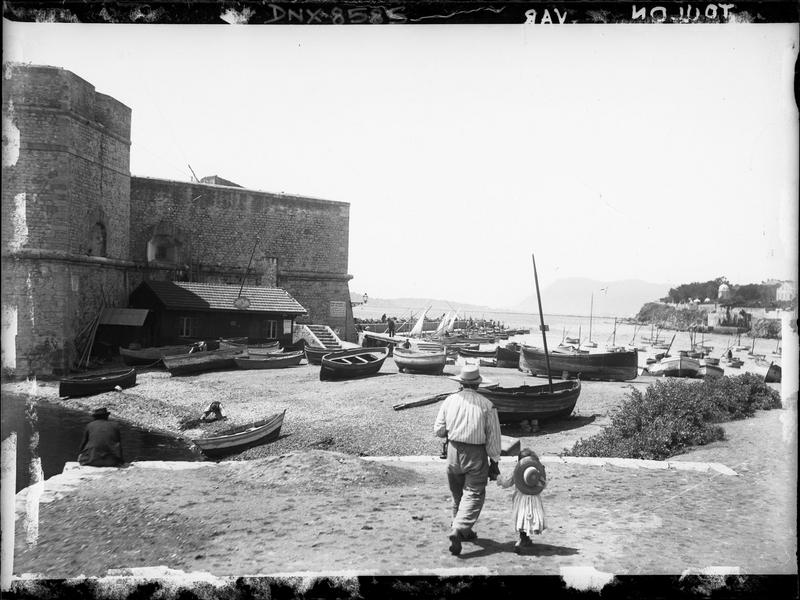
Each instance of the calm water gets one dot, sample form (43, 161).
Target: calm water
(60, 431)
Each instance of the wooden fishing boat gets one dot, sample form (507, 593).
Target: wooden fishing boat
(264, 349)
(614, 366)
(240, 438)
(199, 362)
(279, 360)
(314, 354)
(352, 363)
(508, 356)
(466, 352)
(773, 374)
(735, 363)
(89, 385)
(538, 402)
(569, 350)
(148, 356)
(408, 359)
(708, 369)
(676, 366)
(234, 341)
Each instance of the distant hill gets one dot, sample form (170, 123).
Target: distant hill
(572, 296)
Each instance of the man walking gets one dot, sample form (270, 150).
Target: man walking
(470, 423)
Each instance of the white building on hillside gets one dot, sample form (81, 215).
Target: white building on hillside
(786, 292)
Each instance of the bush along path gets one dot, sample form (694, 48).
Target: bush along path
(674, 415)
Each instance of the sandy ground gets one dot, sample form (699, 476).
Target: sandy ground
(307, 503)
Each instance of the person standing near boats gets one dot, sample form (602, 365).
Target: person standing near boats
(102, 443)
(470, 423)
(527, 511)
(391, 326)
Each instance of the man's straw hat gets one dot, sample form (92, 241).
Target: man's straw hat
(470, 374)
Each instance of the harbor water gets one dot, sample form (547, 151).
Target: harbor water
(53, 434)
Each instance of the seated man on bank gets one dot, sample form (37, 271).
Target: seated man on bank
(102, 443)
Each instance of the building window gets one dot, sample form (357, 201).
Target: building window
(97, 240)
(186, 327)
(163, 248)
(270, 329)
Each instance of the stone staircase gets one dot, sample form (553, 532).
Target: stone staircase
(321, 335)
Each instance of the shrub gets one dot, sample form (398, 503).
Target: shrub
(673, 415)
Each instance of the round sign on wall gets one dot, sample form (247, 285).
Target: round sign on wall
(241, 302)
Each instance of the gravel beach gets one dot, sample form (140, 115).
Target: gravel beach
(351, 416)
(307, 502)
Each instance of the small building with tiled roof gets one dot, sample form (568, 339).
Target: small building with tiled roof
(186, 312)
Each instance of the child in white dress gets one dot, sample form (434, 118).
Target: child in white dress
(527, 510)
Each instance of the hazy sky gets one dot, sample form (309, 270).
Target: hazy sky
(664, 153)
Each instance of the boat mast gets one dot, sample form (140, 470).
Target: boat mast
(591, 308)
(247, 270)
(542, 325)
(614, 334)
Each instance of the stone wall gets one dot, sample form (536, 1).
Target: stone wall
(302, 248)
(78, 232)
(65, 207)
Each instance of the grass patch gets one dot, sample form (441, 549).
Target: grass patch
(676, 414)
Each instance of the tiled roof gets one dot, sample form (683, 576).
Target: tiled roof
(132, 317)
(208, 296)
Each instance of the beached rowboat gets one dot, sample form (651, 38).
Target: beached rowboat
(508, 356)
(735, 363)
(709, 369)
(278, 360)
(198, 362)
(773, 374)
(537, 402)
(476, 353)
(355, 362)
(417, 361)
(148, 356)
(314, 354)
(239, 438)
(676, 366)
(89, 385)
(264, 349)
(613, 366)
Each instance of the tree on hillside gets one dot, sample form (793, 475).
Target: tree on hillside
(754, 294)
(690, 291)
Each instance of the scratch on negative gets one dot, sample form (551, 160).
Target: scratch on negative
(461, 12)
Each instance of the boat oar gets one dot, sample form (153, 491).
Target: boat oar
(421, 401)
(542, 326)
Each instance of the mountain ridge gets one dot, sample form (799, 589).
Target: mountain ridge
(568, 296)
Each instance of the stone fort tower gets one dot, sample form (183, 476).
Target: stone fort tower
(66, 210)
(79, 232)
